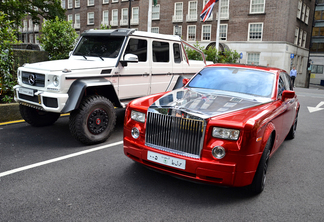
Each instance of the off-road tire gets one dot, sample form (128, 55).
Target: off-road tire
(292, 132)
(93, 121)
(259, 179)
(37, 117)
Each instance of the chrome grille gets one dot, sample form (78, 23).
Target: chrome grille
(174, 134)
(39, 79)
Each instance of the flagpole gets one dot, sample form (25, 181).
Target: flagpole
(149, 17)
(218, 24)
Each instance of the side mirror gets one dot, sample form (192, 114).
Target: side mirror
(129, 58)
(287, 94)
(185, 81)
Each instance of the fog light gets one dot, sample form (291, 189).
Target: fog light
(135, 133)
(218, 152)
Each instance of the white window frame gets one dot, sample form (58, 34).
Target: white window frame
(303, 12)
(36, 27)
(253, 58)
(30, 25)
(114, 17)
(188, 33)
(77, 21)
(31, 38)
(296, 35)
(155, 30)
(156, 12)
(307, 15)
(178, 12)
(225, 33)
(70, 18)
(90, 2)
(113, 1)
(299, 8)
(300, 37)
(90, 15)
(192, 11)
(304, 39)
(204, 29)
(224, 9)
(77, 4)
(135, 16)
(249, 32)
(259, 6)
(175, 32)
(63, 4)
(70, 4)
(105, 18)
(124, 16)
(105, 1)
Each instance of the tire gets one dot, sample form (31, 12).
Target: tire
(37, 117)
(259, 179)
(94, 121)
(292, 132)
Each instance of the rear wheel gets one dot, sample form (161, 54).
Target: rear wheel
(260, 176)
(37, 117)
(292, 132)
(94, 121)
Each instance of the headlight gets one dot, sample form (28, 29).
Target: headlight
(223, 133)
(56, 81)
(135, 133)
(218, 152)
(138, 116)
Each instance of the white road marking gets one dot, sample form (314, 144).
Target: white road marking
(316, 108)
(6, 173)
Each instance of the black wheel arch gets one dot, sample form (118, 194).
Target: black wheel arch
(85, 87)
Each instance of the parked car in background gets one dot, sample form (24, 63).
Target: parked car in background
(220, 128)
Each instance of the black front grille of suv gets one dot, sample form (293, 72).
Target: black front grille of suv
(39, 79)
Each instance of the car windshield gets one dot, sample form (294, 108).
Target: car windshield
(101, 46)
(239, 80)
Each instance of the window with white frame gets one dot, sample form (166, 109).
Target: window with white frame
(90, 2)
(77, 4)
(304, 39)
(178, 12)
(105, 18)
(114, 1)
(253, 58)
(299, 8)
(31, 25)
(206, 33)
(192, 11)
(211, 15)
(114, 17)
(156, 12)
(307, 15)
(191, 33)
(303, 12)
(105, 1)
(224, 9)
(257, 6)
(70, 4)
(77, 21)
(300, 37)
(296, 36)
(124, 16)
(63, 4)
(135, 16)
(255, 31)
(25, 26)
(90, 18)
(31, 38)
(177, 30)
(155, 29)
(70, 18)
(36, 27)
(223, 32)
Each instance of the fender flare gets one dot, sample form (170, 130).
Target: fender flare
(269, 130)
(80, 87)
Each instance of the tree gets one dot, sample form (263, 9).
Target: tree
(16, 10)
(7, 74)
(58, 38)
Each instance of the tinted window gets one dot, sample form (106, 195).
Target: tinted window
(246, 81)
(161, 51)
(177, 52)
(137, 47)
(281, 86)
(103, 46)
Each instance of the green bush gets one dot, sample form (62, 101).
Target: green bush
(7, 75)
(58, 38)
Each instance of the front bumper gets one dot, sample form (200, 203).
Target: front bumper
(47, 101)
(200, 170)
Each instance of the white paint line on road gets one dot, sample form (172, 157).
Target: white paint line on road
(6, 173)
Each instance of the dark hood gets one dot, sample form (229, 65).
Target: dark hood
(202, 103)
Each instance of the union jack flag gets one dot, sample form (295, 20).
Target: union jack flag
(206, 12)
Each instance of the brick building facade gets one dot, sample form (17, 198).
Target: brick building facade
(265, 32)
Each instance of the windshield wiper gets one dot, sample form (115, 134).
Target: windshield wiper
(85, 57)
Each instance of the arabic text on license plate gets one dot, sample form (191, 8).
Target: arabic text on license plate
(28, 92)
(166, 160)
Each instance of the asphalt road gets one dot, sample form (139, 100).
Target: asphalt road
(46, 175)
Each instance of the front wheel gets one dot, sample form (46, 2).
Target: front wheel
(94, 121)
(37, 117)
(292, 133)
(260, 176)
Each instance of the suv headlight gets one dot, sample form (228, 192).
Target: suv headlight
(56, 81)
(223, 133)
(138, 116)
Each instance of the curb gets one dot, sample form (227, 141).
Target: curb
(9, 112)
